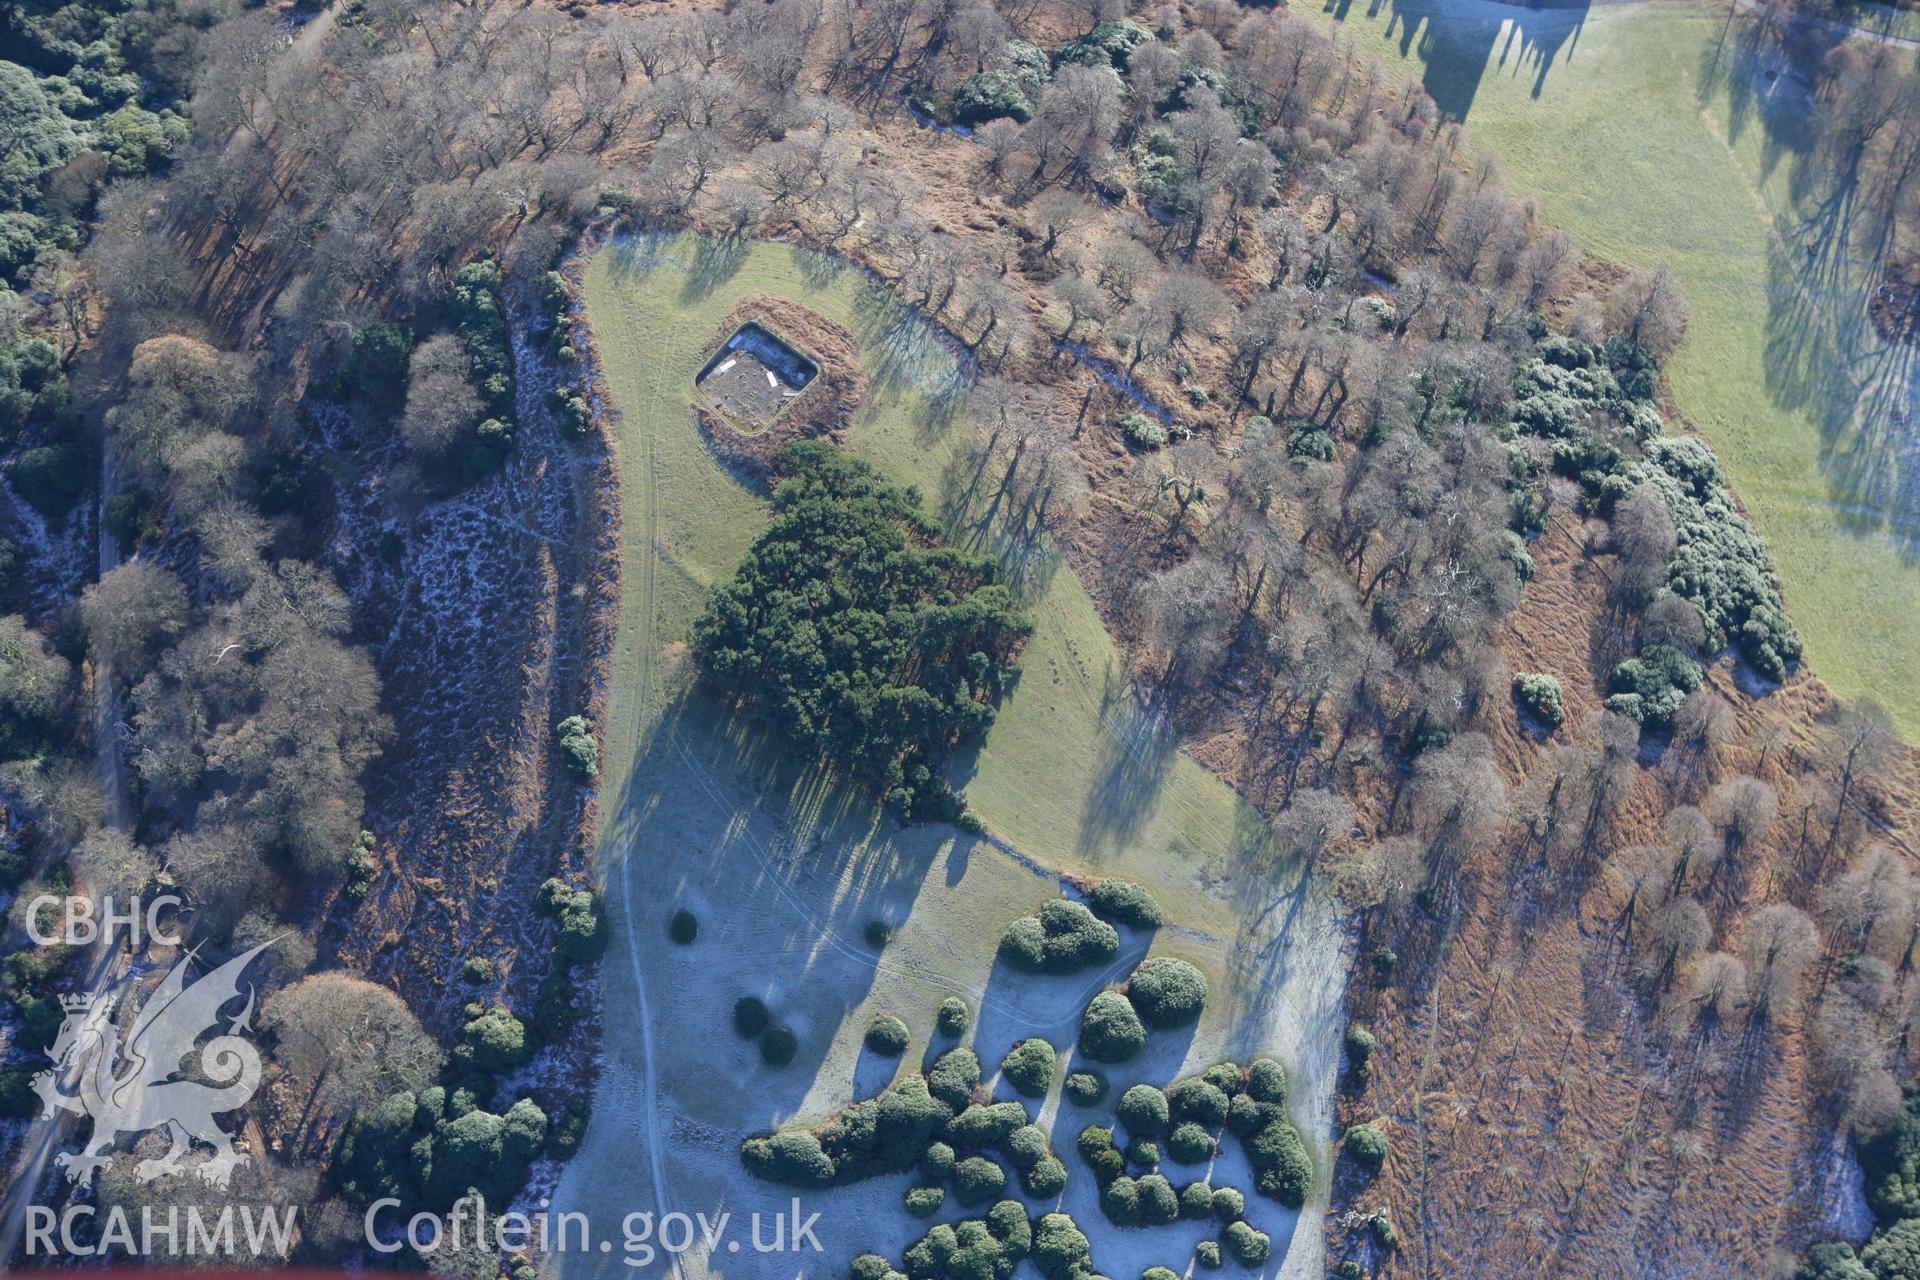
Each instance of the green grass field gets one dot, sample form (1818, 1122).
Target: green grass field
(1642, 130)
(784, 868)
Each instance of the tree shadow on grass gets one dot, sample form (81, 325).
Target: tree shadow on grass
(1136, 750)
(1455, 42)
(716, 260)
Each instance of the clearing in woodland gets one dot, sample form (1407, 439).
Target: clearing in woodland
(1662, 135)
(785, 871)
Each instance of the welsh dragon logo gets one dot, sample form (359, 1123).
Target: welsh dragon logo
(131, 1087)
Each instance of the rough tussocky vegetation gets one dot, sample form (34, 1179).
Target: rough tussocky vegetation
(338, 595)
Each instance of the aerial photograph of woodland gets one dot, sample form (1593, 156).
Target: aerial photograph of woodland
(922, 639)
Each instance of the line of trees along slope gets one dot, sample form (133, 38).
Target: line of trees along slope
(855, 632)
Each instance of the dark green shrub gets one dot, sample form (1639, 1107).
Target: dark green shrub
(1096, 1148)
(777, 1046)
(977, 1180)
(1109, 44)
(1143, 1153)
(990, 95)
(1120, 1202)
(937, 1161)
(1389, 1238)
(1367, 1145)
(792, 1158)
(1833, 1261)
(1167, 992)
(1143, 1110)
(1047, 1178)
(683, 927)
(871, 1266)
(1229, 1205)
(1312, 444)
(922, 1202)
(1267, 1081)
(583, 934)
(1248, 1246)
(1650, 687)
(1158, 1273)
(1226, 1077)
(1360, 1044)
(477, 969)
(887, 1035)
(1539, 696)
(750, 1016)
(1110, 1030)
(1124, 903)
(1027, 1146)
(1198, 1099)
(1060, 1250)
(1207, 1254)
(878, 933)
(1158, 1203)
(1189, 1143)
(953, 1018)
(1065, 936)
(51, 478)
(1029, 1067)
(378, 365)
(1283, 1168)
(1196, 1200)
(494, 1041)
(987, 1125)
(1085, 1088)
(578, 751)
(954, 1076)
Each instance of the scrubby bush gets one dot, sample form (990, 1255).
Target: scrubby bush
(1367, 1145)
(1539, 696)
(1096, 1148)
(954, 1076)
(1189, 1143)
(777, 1046)
(1120, 1202)
(1360, 1045)
(750, 1016)
(1159, 1205)
(791, 1157)
(1047, 1178)
(990, 95)
(378, 365)
(477, 969)
(1248, 1246)
(1227, 1077)
(1167, 992)
(1650, 687)
(987, 1125)
(1085, 1088)
(1349, 1269)
(1207, 1254)
(922, 1202)
(1143, 1110)
(1835, 1261)
(1283, 1168)
(1065, 936)
(937, 1161)
(1142, 431)
(1027, 1146)
(1267, 1081)
(1124, 903)
(1158, 1273)
(871, 1266)
(977, 1180)
(889, 1133)
(1110, 44)
(1196, 1201)
(578, 751)
(1198, 1099)
(683, 926)
(887, 1035)
(1388, 1237)
(953, 1018)
(1029, 1067)
(1229, 1205)
(583, 933)
(1311, 443)
(1110, 1030)
(1143, 1153)
(494, 1041)
(1060, 1250)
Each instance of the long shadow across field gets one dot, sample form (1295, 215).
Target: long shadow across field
(1456, 42)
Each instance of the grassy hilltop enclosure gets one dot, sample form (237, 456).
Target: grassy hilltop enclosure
(708, 810)
(1649, 133)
